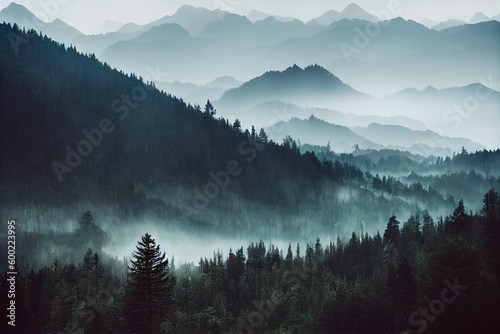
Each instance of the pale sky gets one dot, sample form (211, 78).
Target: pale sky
(87, 15)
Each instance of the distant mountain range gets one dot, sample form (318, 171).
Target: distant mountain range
(57, 29)
(375, 136)
(417, 142)
(294, 85)
(244, 47)
(351, 12)
(197, 45)
(296, 92)
(318, 132)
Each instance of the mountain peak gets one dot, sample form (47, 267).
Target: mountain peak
(188, 9)
(308, 86)
(479, 17)
(15, 6)
(352, 7)
(354, 11)
(16, 13)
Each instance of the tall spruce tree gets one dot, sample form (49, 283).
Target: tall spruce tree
(149, 290)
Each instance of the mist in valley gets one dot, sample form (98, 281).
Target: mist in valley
(227, 169)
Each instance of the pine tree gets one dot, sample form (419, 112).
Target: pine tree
(149, 290)
(89, 234)
(209, 109)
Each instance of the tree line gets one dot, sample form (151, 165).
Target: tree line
(389, 282)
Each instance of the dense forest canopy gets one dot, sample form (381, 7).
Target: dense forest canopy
(82, 135)
(402, 243)
(418, 275)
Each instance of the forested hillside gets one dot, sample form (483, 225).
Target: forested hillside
(77, 134)
(73, 130)
(419, 274)
(91, 155)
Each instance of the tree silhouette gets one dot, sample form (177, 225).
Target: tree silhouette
(89, 234)
(149, 290)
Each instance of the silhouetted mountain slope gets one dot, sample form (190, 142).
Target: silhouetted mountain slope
(57, 29)
(224, 82)
(318, 132)
(163, 33)
(455, 111)
(312, 84)
(419, 142)
(72, 129)
(479, 17)
(191, 18)
(448, 24)
(352, 11)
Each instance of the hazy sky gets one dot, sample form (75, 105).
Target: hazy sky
(87, 15)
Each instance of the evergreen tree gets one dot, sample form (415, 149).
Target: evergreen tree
(391, 234)
(263, 136)
(209, 108)
(149, 289)
(89, 234)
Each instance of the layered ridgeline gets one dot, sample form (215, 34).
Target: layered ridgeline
(358, 47)
(451, 113)
(77, 134)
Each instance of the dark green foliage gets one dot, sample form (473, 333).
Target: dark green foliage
(89, 234)
(362, 285)
(149, 290)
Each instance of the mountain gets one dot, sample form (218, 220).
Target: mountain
(130, 27)
(256, 15)
(97, 136)
(188, 17)
(268, 113)
(455, 111)
(448, 24)
(199, 94)
(424, 143)
(479, 17)
(327, 18)
(166, 32)
(195, 94)
(109, 26)
(224, 82)
(310, 86)
(15, 13)
(315, 90)
(351, 12)
(428, 22)
(230, 25)
(234, 46)
(409, 48)
(57, 29)
(315, 131)
(96, 44)
(191, 18)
